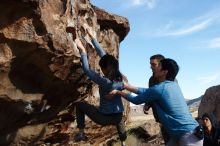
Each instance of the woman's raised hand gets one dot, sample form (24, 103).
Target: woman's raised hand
(80, 45)
(89, 31)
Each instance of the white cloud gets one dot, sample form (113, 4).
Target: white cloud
(189, 30)
(149, 3)
(137, 2)
(209, 78)
(187, 27)
(206, 44)
(214, 43)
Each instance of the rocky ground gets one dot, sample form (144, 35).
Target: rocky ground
(142, 131)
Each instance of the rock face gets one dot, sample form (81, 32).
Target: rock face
(211, 102)
(39, 61)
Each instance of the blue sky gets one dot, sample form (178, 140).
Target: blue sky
(187, 31)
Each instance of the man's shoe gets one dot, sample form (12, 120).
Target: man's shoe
(80, 137)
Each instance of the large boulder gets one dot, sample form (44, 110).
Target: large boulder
(39, 61)
(210, 102)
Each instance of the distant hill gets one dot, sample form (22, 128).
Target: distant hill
(194, 103)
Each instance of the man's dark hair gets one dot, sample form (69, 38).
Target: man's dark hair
(171, 66)
(158, 57)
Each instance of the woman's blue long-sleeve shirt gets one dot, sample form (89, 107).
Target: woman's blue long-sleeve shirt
(170, 106)
(105, 85)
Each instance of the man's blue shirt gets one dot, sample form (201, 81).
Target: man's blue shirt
(170, 105)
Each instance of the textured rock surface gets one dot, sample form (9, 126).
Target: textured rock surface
(39, 60)
(211, 102)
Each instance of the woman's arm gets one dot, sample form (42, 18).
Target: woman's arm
(90, 73)
(100, 51)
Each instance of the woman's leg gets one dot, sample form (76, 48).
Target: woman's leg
(121, 131)
(81, 109)
(92, 112)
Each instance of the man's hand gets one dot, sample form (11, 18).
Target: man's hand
(80, 46)
(129, 87)
(126, 84)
